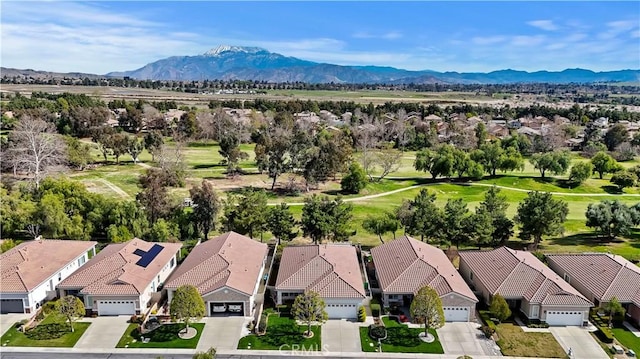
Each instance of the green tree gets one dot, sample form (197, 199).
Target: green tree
(610, 218)
(135, 146)
(119, 145)
(7, 244)
(273, 152)
(624, 179)
(581, 172)
(481, 134)
(247, 211)
(78, 153)
(381, 224)
(499, 308)
(152, 142)
(206, 206)
(427, 307)
(613, 307)
(231, 152)
(539, 215)
(556, 162)
(355, 180)
(490, 156)
(616, 135)
(495, 205)
(426, 217)
(71, 308)
(455, 213)
(187, 305)
(163, 231)
(479, 228)
(280, 222)
(603, 163)
(309, 308)
(511, 160)
(154, 196)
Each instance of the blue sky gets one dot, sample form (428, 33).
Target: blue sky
(99, 37)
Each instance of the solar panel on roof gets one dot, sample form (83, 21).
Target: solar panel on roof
(139, 252)
(149, 256)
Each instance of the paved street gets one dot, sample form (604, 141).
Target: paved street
(104, 332)
(461, 339)
(7, 320)
(580, 341)
(341, 336)
(222, 332)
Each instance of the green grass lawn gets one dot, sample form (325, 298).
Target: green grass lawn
(165, 336)
(400, 339)
(515, 342)
(15, 338)
(627, 339)
(282, 331)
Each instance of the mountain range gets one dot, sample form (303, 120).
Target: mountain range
(257, 64)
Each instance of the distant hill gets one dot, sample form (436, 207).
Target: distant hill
(257, 64)
(36, 74)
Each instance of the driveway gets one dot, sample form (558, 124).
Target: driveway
(462, 339)
(222, 332)
(7, 320)
(341, 336)
(104, 332)
(580, 341)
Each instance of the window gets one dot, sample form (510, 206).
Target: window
(81, 260)
(567, 278)
(535, 311)
(173, 261)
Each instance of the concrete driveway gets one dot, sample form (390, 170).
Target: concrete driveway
(580, 341)
(7, 320)
(341, 336)
(104, 332)
(222, 332)
(461, 339)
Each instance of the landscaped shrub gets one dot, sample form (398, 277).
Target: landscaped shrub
(136, 319)
(605, 334)
(487, 331)
(50, 307)
(262, 326)
(362, 314)
(486, 318)
(48, 331)
(377, 332)
(375, 310)
(538, 325)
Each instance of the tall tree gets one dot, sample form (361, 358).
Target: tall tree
(187, 305)
(154, 196)
(368, 134)
(490, 156)
(280, 222)
(613, 307)
(616, 135)
(309, 308)
(455, 212)
(496, 205)
(355, 180)
(539, 215)
(603, 163)
(272, 152)
(427, 306)
(323, 218)
(581, 172)
(381, 225)
(78, 153)
(247, 212)
(499, 307)
(624, 179)
(481, 134)
(556, 162)
(389, 160)
(35, 148)
(135, 146)
(231, 152)
(426, 217)
(610, 218)
(206, 207)
(480, 229)
(152, 142)
(71, 308)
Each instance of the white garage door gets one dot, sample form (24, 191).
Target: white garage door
(116, 307)
(456, 314)
(564, 318)
(340, 311)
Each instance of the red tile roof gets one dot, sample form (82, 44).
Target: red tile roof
(332, 270)
(405, 265)
(114, 271)
(30, 263)
(231, 260)
(519, 274)
(605, 275)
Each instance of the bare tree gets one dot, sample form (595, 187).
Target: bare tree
(400, 128)
(368, 137)
(35, 148)
(389, 160)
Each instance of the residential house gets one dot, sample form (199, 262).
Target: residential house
(600, 277)
(123, 277)
(405, 265)
(226, 270)
(331, 270)
(32, 270)
(526, 283)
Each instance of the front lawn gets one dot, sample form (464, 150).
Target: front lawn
(166, 336)
(515, 342)
(400, 339)
(627, 339)
(50, 326)
(282, 331)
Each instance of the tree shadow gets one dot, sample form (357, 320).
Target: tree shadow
(611, 189)
(208, 165)
(583, 239)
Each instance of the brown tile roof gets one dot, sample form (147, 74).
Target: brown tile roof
(332, 270)
(114, 271)
(27, 265)
(605, 275)
(519, 274)
(405, 265)
(231, 260)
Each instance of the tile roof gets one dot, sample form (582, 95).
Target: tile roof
(114, 271)
(519, 274)
(332, 270)
(30, 263)
(231, 260)
(605, 275)
(405, 265)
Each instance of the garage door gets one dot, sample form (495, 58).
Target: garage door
(226, 309)
(456, 314)
(564, 318)
(116, 307)
(11, 306)
(342, 311)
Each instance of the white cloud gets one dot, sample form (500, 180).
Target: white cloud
(546, 25)
(615, 28)
(488, 40)
(635, 34)
(527, 40)
(391, 35)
